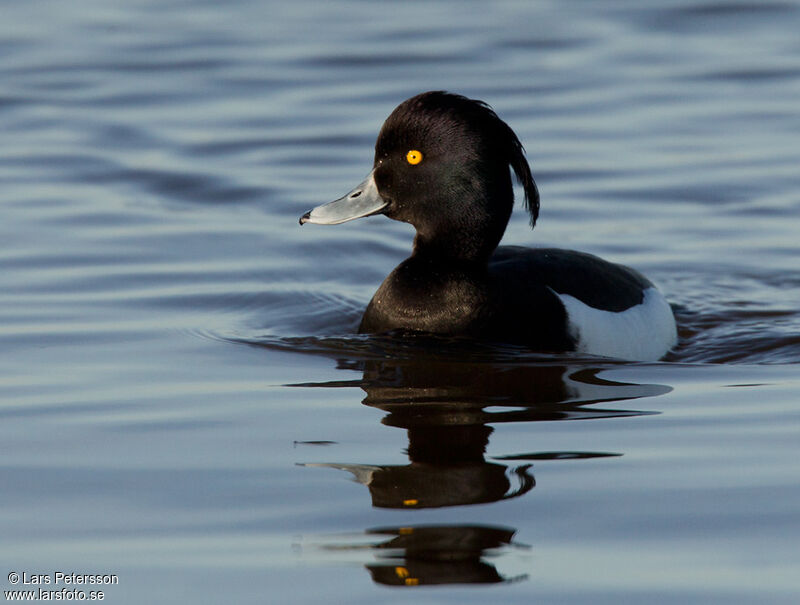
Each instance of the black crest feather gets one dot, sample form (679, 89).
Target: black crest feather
(522, 169)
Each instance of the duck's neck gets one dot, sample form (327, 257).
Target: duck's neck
(468, 232)
(453, 248)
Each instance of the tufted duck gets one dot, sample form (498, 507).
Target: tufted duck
(442, 165)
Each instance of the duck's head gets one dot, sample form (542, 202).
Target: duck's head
(442, 164)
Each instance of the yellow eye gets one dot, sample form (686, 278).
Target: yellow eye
(414, 157)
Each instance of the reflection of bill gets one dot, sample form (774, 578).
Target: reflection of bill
(447, 469)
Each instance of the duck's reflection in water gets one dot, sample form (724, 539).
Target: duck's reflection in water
(447, 468)
(427, 555)
(431, 554)
(445, 409)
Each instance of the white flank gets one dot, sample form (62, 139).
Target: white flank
(642, 333)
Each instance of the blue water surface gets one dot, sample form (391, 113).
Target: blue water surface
(184, 402)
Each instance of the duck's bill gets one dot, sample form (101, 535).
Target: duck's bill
(361, 201)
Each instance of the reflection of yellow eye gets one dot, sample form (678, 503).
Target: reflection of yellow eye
(414, 157)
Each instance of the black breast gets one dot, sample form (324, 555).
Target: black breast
(424, 295)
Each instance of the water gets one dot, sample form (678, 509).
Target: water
(184, 403)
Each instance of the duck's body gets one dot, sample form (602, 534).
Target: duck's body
(545, 298)
(441, 164)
